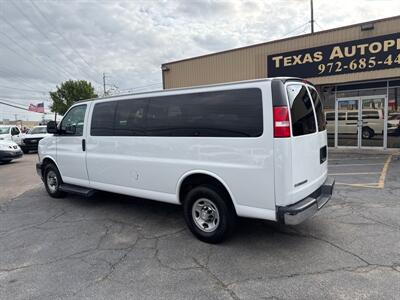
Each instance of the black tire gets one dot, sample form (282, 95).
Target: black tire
(52, 188)
(6, 161)
(26, 151)
(218, 202)
(367, 133)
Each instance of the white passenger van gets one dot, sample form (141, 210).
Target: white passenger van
(253, 149)
(372, 122)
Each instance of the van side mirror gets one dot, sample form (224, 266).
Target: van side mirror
(52, 127)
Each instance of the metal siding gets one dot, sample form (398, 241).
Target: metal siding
(251, 62)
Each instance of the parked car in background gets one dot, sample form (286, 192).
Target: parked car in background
(30, 140)
(10, 133)
(373, 122)
(9, 151)
(253, 149)
(394, 124)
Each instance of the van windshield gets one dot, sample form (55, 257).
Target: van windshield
(38, 130)
(4, 130)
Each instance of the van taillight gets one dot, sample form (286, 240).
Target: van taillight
(281, 122)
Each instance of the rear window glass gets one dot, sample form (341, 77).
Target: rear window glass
(319, 111)
(301, 110)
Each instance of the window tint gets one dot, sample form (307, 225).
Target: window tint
(72, 123)
(341, 116)
(319, 111)
(234, 113)
(103, 119)
(14, 131)
(130, 117)
(370, 114)
(301, 110)
(330, 116)
(38, 130)
(352, 116)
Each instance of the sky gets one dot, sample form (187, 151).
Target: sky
(43, 43)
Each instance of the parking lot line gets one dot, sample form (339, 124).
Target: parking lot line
(354, 158)
(345, 165)
(360, 173)
(381, 182)
(374, 185)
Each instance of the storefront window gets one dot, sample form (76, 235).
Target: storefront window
(370, 98)
(393, 140)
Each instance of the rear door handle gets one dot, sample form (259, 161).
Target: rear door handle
(83, 145)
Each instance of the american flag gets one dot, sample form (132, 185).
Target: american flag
(39, 108)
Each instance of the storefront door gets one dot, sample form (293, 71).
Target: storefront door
(360, 122)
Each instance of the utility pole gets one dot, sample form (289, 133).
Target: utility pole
(312, 17)
(104, 83)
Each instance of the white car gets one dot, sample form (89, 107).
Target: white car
(253, 149)
(394, 124)
(372, 122)
(9, 151)
(30, 140)
(10, 133)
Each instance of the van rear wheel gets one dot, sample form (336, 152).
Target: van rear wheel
(367, 133)
(52, 181)
(208, 214)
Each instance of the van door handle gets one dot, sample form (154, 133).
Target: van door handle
(83, 145)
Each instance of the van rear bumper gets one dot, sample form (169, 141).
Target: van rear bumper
(307, 207)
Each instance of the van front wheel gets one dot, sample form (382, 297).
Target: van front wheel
(208, 214)
(52, 181)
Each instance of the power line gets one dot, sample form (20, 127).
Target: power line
(140, 87)
(19, 54)
(62, 36)
(319, 25)
(25, 50)
(47, 37)
(11, 104)
(294, 30)
(19, 89)
(27, 98)
(21, 80)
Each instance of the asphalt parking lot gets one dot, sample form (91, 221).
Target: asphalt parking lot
(114, 247)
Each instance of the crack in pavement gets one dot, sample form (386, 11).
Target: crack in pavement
(358, 269)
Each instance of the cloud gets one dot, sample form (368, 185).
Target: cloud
(129, 40)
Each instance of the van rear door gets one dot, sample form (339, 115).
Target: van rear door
(309, 139)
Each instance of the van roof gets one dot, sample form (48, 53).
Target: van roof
(284, 79)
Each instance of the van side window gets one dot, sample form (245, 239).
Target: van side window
(301, 110)
(72, 123)
(14, 131)
(103, 119)
(130, 118)
(353, 116)
(319, 111)
(330, 116)
(370, 114)
(233, 113)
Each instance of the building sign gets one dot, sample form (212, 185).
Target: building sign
(371, 54)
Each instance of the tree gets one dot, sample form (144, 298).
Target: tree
(68, 93)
